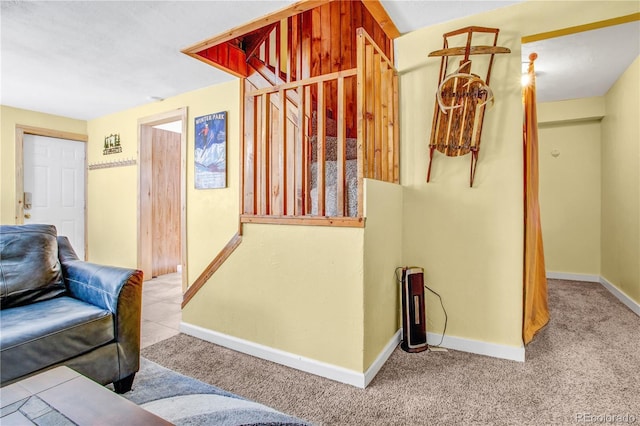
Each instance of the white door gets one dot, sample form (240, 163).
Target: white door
(54, 179)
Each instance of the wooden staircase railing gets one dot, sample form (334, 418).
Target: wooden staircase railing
(276, 162)
(277, 147)
(211, 268)
(378, 126)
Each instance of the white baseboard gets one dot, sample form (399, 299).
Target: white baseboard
(573, 277)
(382, 358)
(319, 368)
(621, 296)
(495, 350)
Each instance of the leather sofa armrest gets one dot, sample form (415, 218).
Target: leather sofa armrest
(99, 285)
(117, 289)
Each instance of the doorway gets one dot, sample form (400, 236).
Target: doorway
(51, 182)
(162, 195)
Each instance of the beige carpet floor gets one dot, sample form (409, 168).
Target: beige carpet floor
(585, 364)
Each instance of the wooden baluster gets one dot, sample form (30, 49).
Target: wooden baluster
(307, 148)
(300, 157)
(347, 42)
(377, 118)
(383, 120)
(259, 157)
(321, 139)
(250, 133)
(282, 157)
(291, 122)
(390, 127)
(369, 112)
(265, 175)
(396, 131)
(278, 52)
(360, 86)
(340, 150)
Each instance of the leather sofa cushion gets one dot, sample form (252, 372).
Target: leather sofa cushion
(29, 267)
(42, 334)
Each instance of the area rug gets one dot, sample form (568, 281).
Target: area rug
(183, 400)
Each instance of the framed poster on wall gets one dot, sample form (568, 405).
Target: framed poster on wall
(211, 151)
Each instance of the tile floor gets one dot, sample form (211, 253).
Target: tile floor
(161, 313)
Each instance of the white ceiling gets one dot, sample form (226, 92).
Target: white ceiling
(86, 59)
(583, 64)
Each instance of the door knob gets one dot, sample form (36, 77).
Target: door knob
(27, 215)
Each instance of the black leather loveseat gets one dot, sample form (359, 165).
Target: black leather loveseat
(59, 310)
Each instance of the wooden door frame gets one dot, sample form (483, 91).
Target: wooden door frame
(145, 125)
(22, 130)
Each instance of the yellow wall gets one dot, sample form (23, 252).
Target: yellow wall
(570, 184)
(212, 215)
(382, 255)
(328, 294)
(469, 240)
(298, 289)
(621, 184)
(9, 118)
(585, 109)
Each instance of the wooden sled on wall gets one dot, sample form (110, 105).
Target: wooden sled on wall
(461, 99)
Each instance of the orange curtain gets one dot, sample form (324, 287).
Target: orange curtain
(536, 310)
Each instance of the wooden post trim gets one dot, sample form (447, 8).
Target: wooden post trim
(353, 222)
(211, 268)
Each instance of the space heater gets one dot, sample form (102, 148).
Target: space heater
(414, 331)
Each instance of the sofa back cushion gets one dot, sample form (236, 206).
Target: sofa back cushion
(29, 267)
